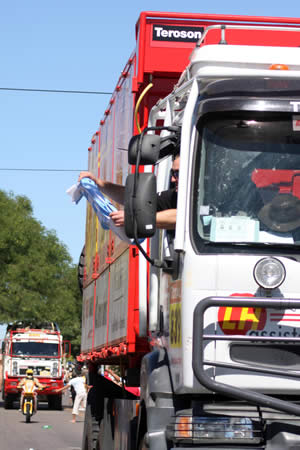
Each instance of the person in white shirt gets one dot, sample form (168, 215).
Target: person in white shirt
(81, 388)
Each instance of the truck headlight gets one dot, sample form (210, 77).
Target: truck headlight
(269, 273)
(55, 370)
(15, 368)
(214, 430)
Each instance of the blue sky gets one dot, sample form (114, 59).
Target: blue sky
(71, 45)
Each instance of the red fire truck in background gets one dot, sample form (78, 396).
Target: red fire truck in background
(36, 346)
(204, 323)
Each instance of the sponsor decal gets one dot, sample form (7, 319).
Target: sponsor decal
(288, 329)
(175, 325)
(241, 320)
(176, 33)
(279, 332)
(286, 317)
(252, 321)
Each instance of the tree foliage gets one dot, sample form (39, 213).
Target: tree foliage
(37, 277)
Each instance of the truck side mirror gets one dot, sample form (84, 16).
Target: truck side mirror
(3, 347)
(140, 205)
(67, 348)
(149, 148)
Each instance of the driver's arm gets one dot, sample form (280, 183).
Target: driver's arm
(166, 219)
(112, 190)
(21, 383)
(37, 383)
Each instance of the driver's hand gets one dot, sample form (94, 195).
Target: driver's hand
(118, 218)
(90, 175)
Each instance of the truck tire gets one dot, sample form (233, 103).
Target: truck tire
(142, 431)
(106, 433)
(8, 401)
(132, 438)
(55, 402)
(142, 444)
(91, 430)
(98, 436)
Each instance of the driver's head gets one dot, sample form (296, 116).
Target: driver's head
(29, 373)
(175, 171)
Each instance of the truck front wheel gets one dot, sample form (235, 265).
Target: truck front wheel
(8, 401)
(142, 444)
(55, 402)
(91, 431)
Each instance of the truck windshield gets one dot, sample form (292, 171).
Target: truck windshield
(248, 179)
(35, 349)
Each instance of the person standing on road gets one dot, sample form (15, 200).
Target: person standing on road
(69, 375)
(81, 388)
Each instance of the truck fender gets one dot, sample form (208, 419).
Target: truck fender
(155, 376)
(156, 384)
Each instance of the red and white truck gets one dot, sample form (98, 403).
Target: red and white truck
(205, 322)
(36, 346)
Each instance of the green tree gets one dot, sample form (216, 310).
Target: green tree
(37, 277)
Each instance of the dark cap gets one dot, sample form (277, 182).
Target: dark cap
(282, 214)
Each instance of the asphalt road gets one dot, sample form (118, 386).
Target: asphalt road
(48, 430)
